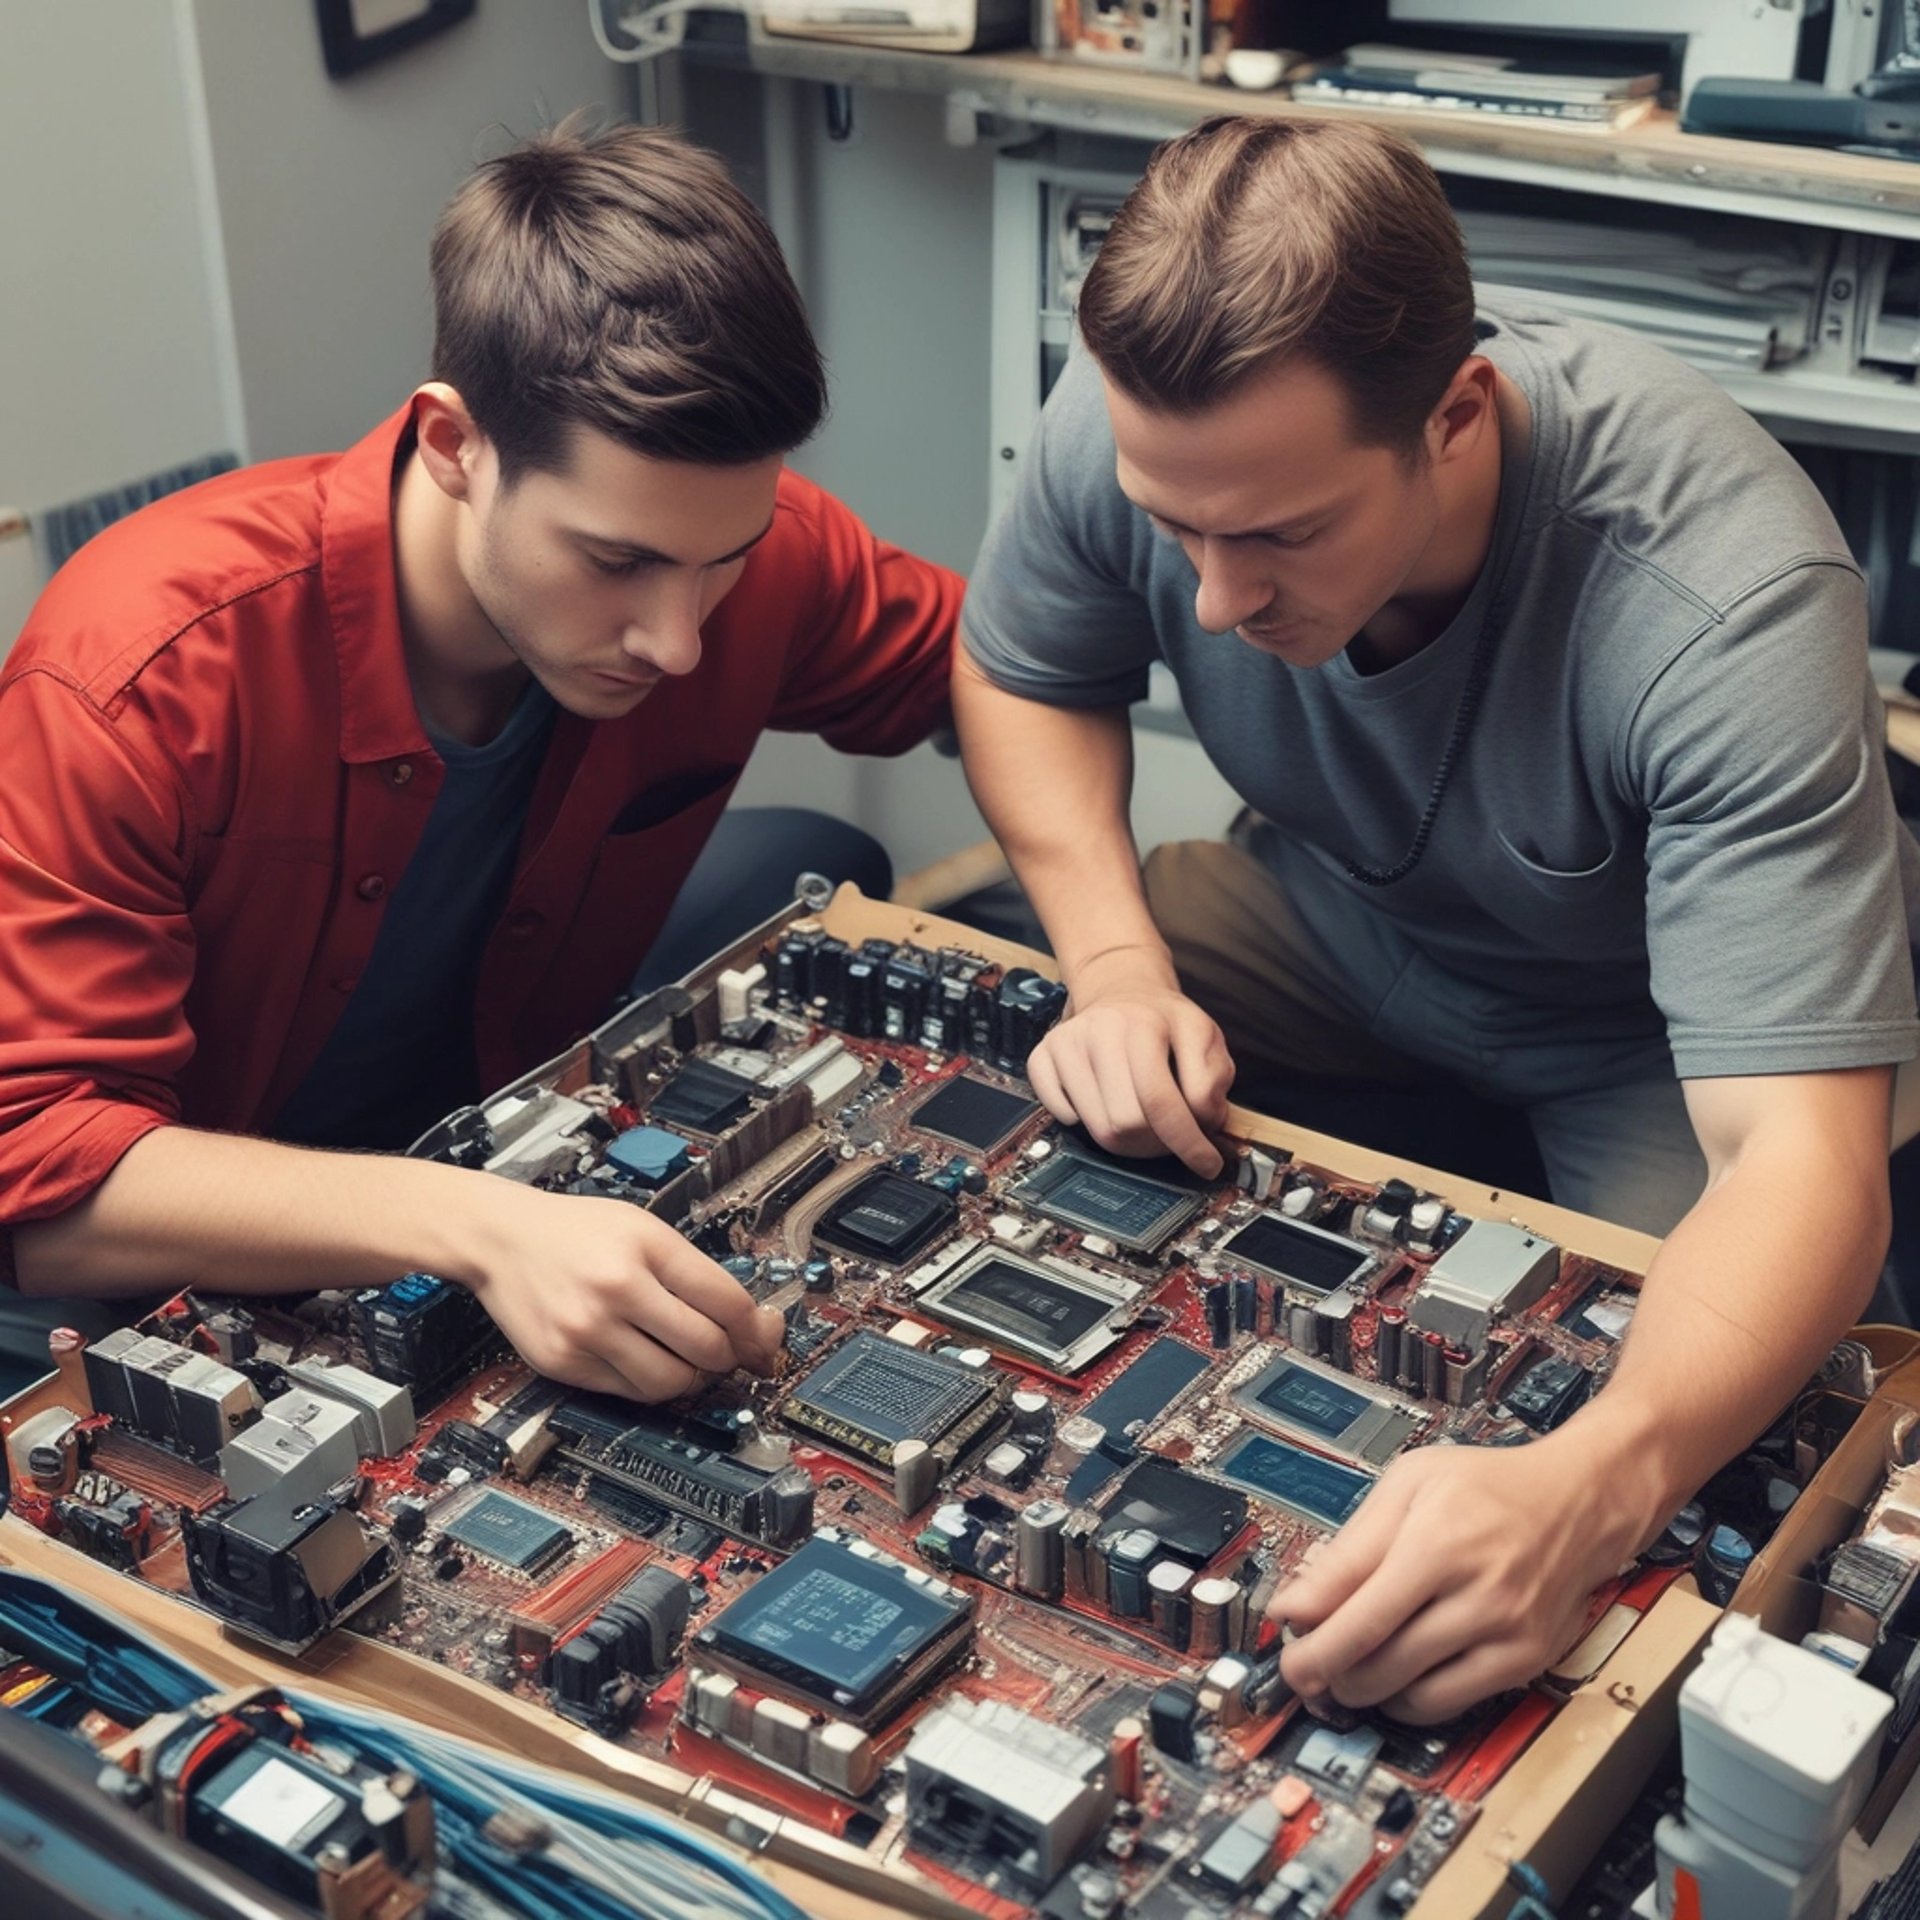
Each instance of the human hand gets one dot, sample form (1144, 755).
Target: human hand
(601, 1295)
(1466, 1571)
(1137, 1063)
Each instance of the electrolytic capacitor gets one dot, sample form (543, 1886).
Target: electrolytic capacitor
(1246, 1303)
(1387, 1340)
(1039, 1549)
(1129, 1760)
(1218, 1296)
(1458, 1361)
(1434, 1384)
(1167, 1588)
(916, 1472)
(1128, 1556)
(1032, 1413)
(1086, 1564)
(1302, 1330)
(1219, 1615)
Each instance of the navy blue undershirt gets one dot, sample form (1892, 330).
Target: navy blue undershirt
(402, 1056)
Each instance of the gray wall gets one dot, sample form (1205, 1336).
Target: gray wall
(109, 338)
(328, 191)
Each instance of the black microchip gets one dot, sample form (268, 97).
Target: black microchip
(707, 1098)
(973, 1113)
(509, 1531)
(1308, 1258)
(1040, 1312)
(842, 1629)
(1193, 1517)
(887, 1217)
(1550, 1391)
(871, 1393)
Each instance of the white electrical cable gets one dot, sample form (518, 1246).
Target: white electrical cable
(652, 30)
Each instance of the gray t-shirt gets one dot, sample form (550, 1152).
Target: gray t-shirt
(1671, 825)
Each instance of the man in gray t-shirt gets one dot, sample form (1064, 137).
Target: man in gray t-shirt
(1544, 672)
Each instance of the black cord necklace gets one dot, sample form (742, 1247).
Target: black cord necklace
(1478, 669)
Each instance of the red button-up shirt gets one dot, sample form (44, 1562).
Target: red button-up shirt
(212, 773)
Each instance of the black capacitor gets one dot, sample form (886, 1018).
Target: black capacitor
(904, 985)
(792, 967)
(407, 1520)
(1459, 1363)
(1434, 1380)
(1025, 1007)
(827, 978)
(1217, 1296)
(1388, 1339)
(1173, 1720)
(983, 1002)
(1246, 1303)
(1333, 1334)
(1128, 1555)
(943, 1026)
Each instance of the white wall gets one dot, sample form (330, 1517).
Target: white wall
(109, 365)
(328, 190)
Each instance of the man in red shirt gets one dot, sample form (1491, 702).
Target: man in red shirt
(340, 789)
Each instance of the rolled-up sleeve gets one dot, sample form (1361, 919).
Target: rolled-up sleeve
(96, 950)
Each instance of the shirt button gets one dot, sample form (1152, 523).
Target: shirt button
(373, 886)
(400, 772)
(521, 924)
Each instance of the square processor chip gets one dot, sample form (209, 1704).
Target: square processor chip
(843, 1628)
(1082, 1187)
(973, 1114)
(870, 1393)
(509, 1532)
(887, 1218)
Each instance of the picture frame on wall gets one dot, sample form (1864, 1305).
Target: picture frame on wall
(356, 33)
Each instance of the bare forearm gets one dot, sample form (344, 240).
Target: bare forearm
(1053, 783)
(184, 1208)
(1744, 1300)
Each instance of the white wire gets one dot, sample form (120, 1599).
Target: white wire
(650, 38)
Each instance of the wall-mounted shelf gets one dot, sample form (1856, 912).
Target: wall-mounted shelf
(1652, 161)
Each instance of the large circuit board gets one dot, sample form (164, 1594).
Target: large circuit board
(977, 1582)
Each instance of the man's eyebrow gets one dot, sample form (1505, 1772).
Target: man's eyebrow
(1279, 530)
(633, 550)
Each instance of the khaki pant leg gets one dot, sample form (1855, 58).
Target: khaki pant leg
(1243, 954)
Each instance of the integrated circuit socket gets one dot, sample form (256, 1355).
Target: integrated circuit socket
(841, 1626)
(1050, 1311)
(508, 1532)
(1082, 1187)
(1329, 1410)
(871, 1393)
(1304, 1259)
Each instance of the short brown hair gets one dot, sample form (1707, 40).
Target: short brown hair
(616, 278)
(1251, 240)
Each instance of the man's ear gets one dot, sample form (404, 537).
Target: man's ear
(451, 445)
(1467, 410)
